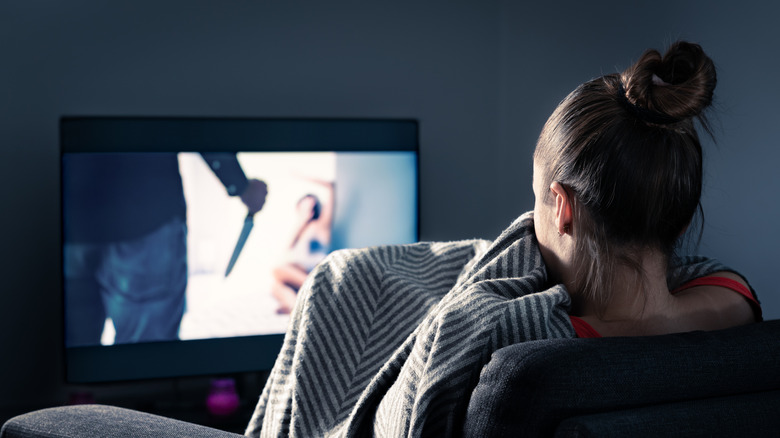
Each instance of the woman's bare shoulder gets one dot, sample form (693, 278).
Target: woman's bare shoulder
(713, 307)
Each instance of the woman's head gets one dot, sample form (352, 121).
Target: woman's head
(621, 158)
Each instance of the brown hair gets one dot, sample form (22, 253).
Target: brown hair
(626, 148)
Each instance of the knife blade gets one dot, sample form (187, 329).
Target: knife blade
(249, 222)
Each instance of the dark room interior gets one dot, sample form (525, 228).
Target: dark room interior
(480, 78)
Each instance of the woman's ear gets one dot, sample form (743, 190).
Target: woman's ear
(563, 208)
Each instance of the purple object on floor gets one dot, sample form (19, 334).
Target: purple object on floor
(222, 399)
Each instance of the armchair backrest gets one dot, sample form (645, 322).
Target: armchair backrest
(529, 388)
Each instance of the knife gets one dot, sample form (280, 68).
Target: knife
(249, 222)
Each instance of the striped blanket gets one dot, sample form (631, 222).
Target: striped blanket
(390, 341)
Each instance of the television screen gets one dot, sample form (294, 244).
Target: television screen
(185, 240)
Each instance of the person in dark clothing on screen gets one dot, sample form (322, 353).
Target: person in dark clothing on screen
(124, 225)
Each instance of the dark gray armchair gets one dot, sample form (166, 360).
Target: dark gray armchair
(723, 383)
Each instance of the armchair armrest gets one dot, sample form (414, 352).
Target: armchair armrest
(102, 421)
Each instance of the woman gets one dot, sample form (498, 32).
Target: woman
(617, 180)
(390, 341)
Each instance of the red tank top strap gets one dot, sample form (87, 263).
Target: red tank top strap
(583, 329)
(722, 282)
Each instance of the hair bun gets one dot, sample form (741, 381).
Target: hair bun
(678, 85)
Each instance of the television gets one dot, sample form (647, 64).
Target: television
(185, 239)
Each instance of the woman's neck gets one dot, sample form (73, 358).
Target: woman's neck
(640, 303)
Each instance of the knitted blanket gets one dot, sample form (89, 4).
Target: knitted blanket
(390, 341)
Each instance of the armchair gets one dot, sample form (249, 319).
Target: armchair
(722, 383)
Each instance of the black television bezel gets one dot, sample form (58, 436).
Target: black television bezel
(117, 363)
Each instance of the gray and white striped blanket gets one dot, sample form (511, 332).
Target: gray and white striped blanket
(390, 341)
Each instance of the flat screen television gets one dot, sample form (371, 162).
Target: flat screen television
(169, 268)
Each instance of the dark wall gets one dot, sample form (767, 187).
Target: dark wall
(481, 77)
